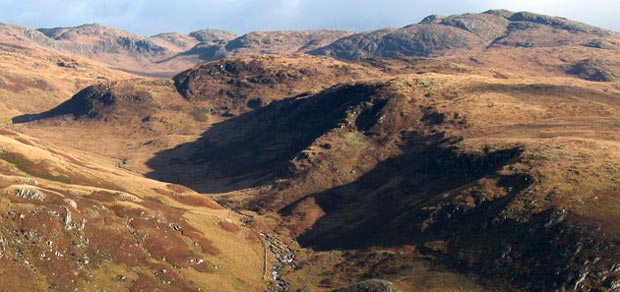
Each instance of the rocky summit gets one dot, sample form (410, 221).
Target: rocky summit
(474, 152)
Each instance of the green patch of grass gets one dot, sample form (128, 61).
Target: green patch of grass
(34, 169)
(200, 115)
(43, 168)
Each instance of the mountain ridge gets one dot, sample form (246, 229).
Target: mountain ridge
(169, 53)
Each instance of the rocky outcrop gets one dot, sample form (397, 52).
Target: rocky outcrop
(279, 42)
(356, 46)
(592, 70)
(103, 101)
(32, 194)
(212, 35)
(24, 35)
(369, 286)
(92, 39)
(558, 22)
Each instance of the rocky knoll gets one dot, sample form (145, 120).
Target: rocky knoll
(438, 35)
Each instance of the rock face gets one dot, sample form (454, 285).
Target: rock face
(21, 34)
(32, 194)
(94, 39)
(213, 35)
(370, 286)
(593, 70)
(174, 41)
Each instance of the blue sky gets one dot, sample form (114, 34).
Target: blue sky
(154, 16)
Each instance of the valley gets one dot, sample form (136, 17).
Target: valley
(474, 152)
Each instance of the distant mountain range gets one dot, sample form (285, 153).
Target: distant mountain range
(166, 54)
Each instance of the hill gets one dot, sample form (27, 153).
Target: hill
(166, 54)
(414, 142)
(438, 35)
(34, 79)
(121, 49)
(489, 167)
(421, 160)
(254, 43)
(71, 220)
(139, 117)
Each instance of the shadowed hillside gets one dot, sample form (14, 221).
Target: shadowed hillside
(34, 79)
(473, 152)
(421, 161)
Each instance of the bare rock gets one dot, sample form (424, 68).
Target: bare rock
(369, 286)
(32, 194)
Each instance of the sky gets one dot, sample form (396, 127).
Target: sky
(148, 17)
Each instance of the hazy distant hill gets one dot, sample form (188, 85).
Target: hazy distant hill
(170, 53)
(437, 35)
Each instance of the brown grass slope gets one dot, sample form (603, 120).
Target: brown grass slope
(137, 118)
(72, 221)
(497, 161)
(405, 156)
(34, 79)
(423, 160)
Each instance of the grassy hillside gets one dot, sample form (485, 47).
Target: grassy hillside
(490, 168)
(71, 220)
(33, 79)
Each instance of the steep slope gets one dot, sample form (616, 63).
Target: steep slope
(33, 79)
(494, 162)
(121, 49)
(423, 161)
(137, 118)
(514, 199)
(72, 221)
(24, 36)
(175, 42)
